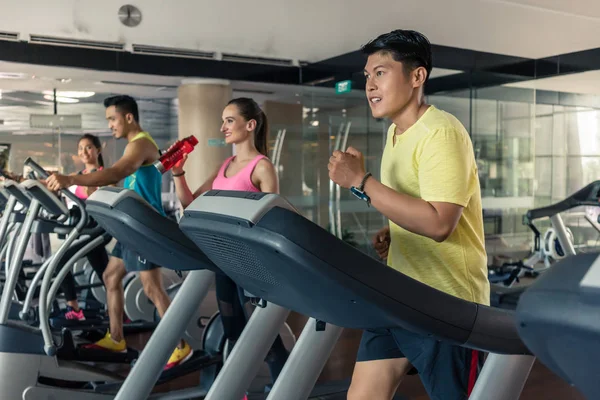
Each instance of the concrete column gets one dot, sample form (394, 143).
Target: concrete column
(201, 103)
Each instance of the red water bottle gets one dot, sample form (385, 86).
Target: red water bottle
(173, 156)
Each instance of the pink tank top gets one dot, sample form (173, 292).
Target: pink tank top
(241, 181)
(80, 190)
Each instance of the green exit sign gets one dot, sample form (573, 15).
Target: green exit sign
(343, 87)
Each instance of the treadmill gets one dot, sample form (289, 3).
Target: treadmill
(508, 297)
(558, 314)
(270, 250)
(129, 218)
(558, 320)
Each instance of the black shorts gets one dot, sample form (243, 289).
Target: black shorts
(133, 261)
(447, 371)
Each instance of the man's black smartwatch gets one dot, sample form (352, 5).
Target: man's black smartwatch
(360, 191)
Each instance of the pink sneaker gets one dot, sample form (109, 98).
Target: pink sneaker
(72, 314)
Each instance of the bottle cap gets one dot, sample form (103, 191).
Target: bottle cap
(193, 140)
(159, 166)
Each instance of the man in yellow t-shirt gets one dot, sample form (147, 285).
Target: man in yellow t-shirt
(429, 191)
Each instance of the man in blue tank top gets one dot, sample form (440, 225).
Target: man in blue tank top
(136, 168)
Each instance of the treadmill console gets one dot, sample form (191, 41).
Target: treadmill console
(236, 194)
(111, 196)
(219, 204)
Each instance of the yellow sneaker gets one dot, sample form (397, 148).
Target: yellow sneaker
(109, 344)
(179, 356)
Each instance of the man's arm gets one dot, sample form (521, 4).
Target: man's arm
(435, 220)
(133, 158)
(444, 176)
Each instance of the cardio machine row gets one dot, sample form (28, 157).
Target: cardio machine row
(262, 243)
(55, 218)
(265, 246)
(40, 352)
(249, 236)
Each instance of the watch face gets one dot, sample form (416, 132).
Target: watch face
(358, 193)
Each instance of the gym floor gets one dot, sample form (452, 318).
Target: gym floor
(542, 383)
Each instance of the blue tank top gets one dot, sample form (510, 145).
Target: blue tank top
(147, 180)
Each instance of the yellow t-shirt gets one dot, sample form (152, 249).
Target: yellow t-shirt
(434, 160)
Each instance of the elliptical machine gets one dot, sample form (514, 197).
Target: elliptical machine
(556, 244)
(28, 355)
(29, 369)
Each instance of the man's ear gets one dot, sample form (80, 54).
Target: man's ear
(419, 76)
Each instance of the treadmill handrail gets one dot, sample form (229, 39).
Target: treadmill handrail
(587, 196)
(17, 192)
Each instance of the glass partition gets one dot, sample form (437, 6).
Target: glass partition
(532, 148)
(55, 147)
(334, 122)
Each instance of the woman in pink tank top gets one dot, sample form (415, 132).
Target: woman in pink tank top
(246, 126)
(89, 150)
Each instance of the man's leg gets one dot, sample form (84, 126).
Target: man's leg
(379, 369)
(448, 372)
(153, 288)
(113, 281)
(151, 278)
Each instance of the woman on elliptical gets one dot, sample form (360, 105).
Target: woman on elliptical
(89, 150)
(246, 126)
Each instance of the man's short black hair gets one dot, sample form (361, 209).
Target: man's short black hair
(124, 104)
(411, 48)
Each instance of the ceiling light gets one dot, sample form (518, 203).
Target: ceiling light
(70, 93)
(60, 99)
(12, 75)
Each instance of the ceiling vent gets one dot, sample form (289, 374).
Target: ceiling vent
(12, 36)
(171, 52)
(148, 85)
(253, 91)
(258, 60)
(88, 44)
